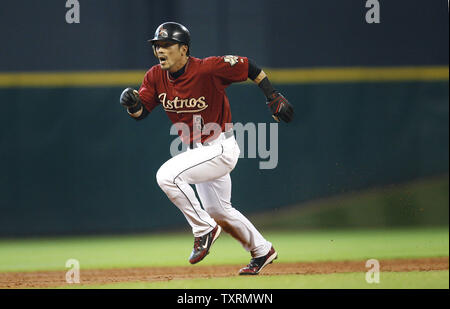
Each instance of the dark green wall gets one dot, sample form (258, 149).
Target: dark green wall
(113, 34)
(72, 161)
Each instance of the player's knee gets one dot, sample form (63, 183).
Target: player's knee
(164, 178)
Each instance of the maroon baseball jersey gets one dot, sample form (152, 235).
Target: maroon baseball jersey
(200, 90)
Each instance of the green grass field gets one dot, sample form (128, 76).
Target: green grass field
(419, 203)
(174, 249)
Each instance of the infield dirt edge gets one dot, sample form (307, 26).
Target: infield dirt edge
(45, 279)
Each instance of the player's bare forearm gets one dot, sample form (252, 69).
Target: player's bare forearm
(260, 77)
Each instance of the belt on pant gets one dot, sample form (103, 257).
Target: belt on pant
(226, 134)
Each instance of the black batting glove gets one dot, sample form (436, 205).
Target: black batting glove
(280, 107)
(130, 100)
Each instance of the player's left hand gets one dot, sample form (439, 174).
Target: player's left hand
(280, 107)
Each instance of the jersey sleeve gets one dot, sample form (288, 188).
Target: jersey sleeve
(228, 69)
(147, 92)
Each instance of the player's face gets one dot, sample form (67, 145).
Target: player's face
(171, 55)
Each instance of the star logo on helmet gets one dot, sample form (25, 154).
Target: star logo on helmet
(163, 33)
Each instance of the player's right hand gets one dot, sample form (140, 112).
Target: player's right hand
(129, 98)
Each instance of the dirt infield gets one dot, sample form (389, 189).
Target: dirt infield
(43, 279)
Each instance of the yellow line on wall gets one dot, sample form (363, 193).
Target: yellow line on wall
(71, 79)
(281, 76)
(358, 74)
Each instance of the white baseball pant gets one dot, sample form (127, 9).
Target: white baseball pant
(209, 167)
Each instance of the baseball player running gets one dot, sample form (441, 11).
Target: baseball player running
(192, 92)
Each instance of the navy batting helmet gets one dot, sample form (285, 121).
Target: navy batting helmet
(171, 31)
